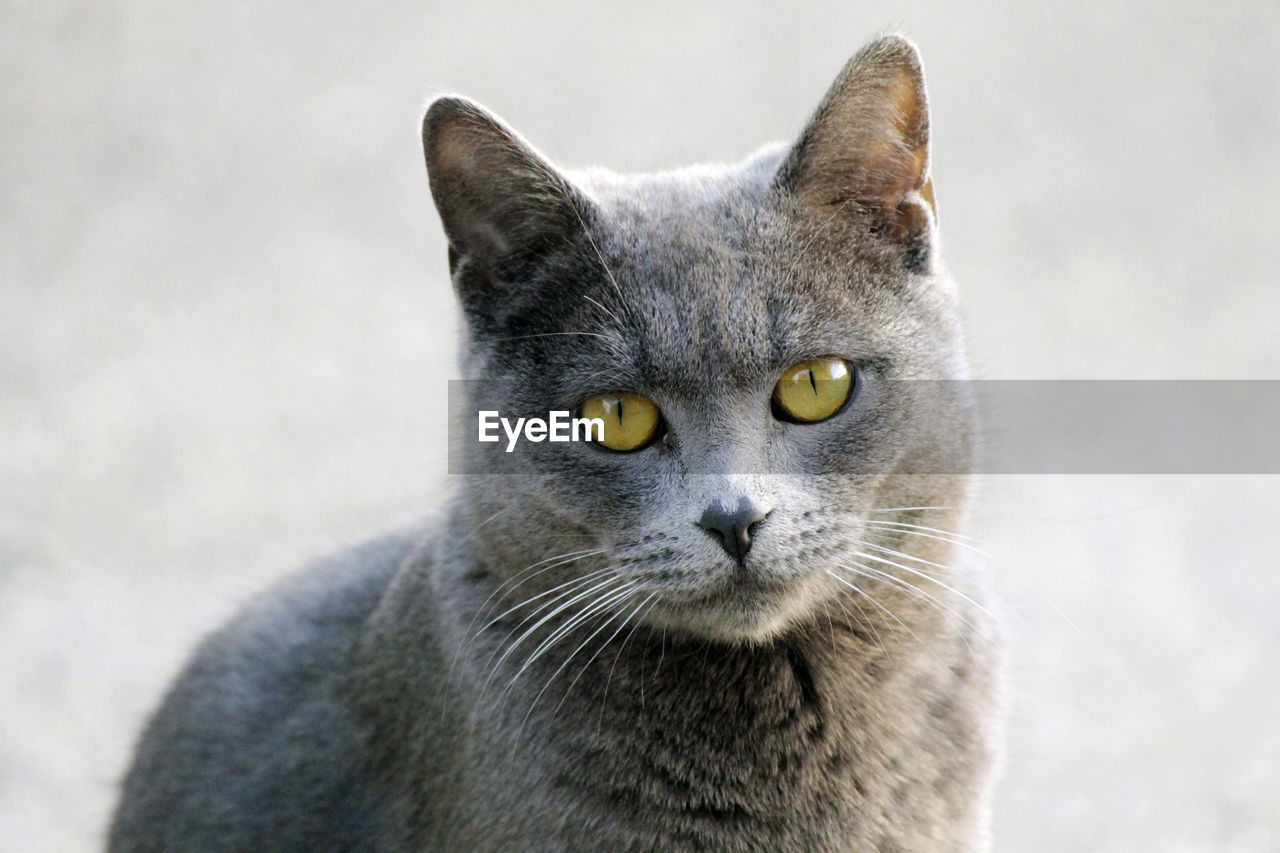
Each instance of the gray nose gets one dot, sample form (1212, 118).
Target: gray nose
(733, 527)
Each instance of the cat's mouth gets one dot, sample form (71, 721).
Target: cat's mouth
(738, 606)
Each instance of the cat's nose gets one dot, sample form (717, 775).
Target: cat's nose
(733, 526)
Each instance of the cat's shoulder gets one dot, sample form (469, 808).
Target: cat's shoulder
(318, 608)
(255, 738)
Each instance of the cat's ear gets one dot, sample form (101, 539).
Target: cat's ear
(500, 201)
(866, 148)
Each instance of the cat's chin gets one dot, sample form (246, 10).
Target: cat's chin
(738, 614)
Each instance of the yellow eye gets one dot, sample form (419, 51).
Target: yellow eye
(630, 421)
(813, 390)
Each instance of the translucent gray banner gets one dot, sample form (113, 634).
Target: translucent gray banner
(1018, 426)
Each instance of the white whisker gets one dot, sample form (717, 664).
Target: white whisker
(653, 597)
(924, 575)
(590, 660)
(559, 560)
(942, 607)
(887, 612)
(601, 604)
(466, 538)
(526, 602)
(866, 620)
(933, 533)
(556, 561)
(905, 508)
(575, 595)
(596, 249)
(616, 318)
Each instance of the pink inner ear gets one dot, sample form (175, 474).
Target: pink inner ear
(869, 141)
(904, 102)
(926, 193)
(899, 147)
(896, 152)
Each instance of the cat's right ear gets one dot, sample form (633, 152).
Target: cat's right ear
(500, 201)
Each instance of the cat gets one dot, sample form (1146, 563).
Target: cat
(739, 620)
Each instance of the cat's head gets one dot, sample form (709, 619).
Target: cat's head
(756, 321)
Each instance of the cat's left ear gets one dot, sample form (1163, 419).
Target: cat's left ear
(866, 148)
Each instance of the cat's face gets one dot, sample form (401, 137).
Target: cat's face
(700, 292)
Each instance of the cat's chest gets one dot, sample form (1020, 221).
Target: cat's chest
(684, 748)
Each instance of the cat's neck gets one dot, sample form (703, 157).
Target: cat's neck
(822, 724)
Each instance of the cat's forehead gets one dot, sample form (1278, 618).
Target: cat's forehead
(707, 277)
(697, 242)
(686, 254)
(700, 213)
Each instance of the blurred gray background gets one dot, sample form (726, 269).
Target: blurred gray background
(225, 330)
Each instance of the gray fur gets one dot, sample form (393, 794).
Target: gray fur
(391, 699)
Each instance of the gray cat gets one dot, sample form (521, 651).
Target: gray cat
(739, 618)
